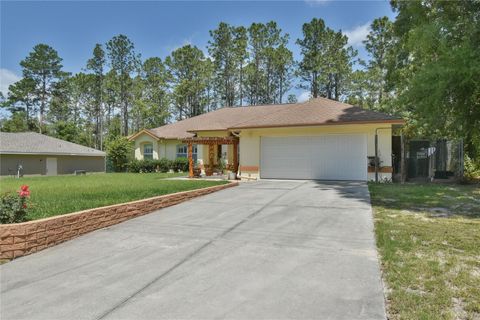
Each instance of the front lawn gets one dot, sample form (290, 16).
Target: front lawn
(429, 242)
(52, 196)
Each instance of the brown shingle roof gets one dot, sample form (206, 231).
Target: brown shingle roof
(319, 111)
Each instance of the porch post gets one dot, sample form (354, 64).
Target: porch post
(211, 153)
(235, 157)
(190, 160)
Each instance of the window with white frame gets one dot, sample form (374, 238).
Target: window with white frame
(148, 151)
(182, 151)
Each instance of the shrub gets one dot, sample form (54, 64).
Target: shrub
(13, 206)
(147, 166)
(134, 166)
(471, 168)
(141, 166)
(180, 164)
(118, 152)
(163, 165)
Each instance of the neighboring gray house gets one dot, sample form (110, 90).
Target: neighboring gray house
(39, 154)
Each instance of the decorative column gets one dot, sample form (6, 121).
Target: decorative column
(211, 155)
(235, 156)
(190, 160)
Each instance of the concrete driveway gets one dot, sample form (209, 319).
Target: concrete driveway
(268, 249)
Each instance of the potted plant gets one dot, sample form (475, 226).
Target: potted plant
(209, 170)
(222, 165)
(232, 175)
(197, 171)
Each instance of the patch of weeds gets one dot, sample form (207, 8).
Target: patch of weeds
(430, 263)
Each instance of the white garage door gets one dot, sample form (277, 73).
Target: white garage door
(327, 157)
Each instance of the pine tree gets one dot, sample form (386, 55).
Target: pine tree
(123, 61)
(96, 64)
(378, 44)
(21, 97)
(43, 67)
(327, 61)
(190, 73)
(270, 63)
(152, 99)
(228, 51)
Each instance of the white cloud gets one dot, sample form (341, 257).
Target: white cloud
(316, 3)
(7, 78)
(183, 43)
(357, 34)
(304, 96)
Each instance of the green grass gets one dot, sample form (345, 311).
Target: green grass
(52, 196)
(429, 242)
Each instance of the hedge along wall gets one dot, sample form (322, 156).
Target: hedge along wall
(19, 239)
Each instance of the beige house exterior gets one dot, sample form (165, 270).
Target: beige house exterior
(37, 154)
(317, 139)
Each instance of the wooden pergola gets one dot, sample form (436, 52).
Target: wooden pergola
(211, 142)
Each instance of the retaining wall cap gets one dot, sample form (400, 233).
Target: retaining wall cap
(66, 215)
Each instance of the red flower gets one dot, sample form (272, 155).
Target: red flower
(24, 192)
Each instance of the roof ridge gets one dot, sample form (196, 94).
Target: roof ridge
(255, 116)
(285, 110)
(231, 107)
(332, 100)
(265, 105)
(194, 117)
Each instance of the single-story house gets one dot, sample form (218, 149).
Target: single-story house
(38, 154)
(316, 139)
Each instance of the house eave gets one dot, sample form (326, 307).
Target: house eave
(144, 131)
(393, 121)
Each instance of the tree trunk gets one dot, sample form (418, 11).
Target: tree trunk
(101, 131)
(125, 118)
(314, 90)
(27, 115)
(241, 87)
(42, 105)
(281, 89)
(337, 91)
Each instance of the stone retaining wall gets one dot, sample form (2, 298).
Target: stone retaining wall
(19, 239)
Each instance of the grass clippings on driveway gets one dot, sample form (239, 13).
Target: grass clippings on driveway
(429, 242)
(52, 196)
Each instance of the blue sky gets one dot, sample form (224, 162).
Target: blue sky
(157, 28)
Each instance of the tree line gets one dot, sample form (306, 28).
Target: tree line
(423, 66)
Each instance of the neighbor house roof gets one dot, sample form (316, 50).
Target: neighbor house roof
(35, 143)
(314, 112)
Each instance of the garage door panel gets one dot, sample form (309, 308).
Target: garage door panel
(283, 154)
(330, 157)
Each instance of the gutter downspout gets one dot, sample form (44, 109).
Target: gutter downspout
(376, 150)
